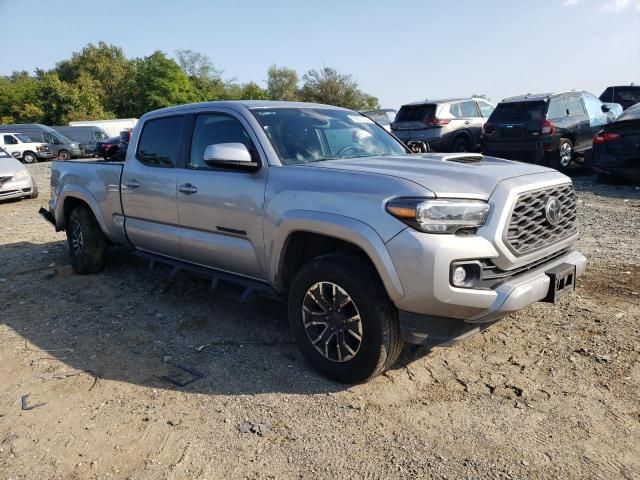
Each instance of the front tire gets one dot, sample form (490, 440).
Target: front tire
(64, 155)
(34, 191)
(343, 320)
(29, 157)
(87, 243)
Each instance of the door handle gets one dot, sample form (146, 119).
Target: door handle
(467, 122)
(187, 189)
(133, 183)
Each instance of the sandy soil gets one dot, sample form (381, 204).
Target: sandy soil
(550, 392)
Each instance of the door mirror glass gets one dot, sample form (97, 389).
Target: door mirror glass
(228, 155)
(605, 108)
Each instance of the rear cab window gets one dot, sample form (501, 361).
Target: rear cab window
(627, 95)
(160, 140)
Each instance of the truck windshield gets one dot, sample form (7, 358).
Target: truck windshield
(23, 138)
(303, 135)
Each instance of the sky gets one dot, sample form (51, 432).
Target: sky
(397, 50)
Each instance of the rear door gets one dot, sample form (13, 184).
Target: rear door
(148, 186)
(221, 210)
(472, 121)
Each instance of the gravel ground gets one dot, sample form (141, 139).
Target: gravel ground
(552, 391)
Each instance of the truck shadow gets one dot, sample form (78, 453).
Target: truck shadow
(132, 325)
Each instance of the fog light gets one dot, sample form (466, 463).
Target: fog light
(459, 276)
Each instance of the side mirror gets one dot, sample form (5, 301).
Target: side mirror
(229, 155)
(605, 108)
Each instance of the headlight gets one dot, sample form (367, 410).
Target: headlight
(21, 174)
(439, 215)
(73, 145)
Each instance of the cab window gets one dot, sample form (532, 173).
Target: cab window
(9, 140)
(215, 128)
(159, 143)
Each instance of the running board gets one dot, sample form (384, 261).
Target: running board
(251, 288)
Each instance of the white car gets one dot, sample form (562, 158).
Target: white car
(23, 148)
(15, 179)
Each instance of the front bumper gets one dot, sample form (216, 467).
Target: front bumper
(44, 155)
(16, 189)
(433, 309)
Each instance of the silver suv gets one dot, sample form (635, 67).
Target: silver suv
(369, 245)
(449, 125)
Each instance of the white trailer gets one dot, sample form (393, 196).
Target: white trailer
(112, 127)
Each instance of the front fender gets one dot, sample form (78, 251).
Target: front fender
(338, 226)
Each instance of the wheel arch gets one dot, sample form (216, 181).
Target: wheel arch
(302, 235)
(69, 200)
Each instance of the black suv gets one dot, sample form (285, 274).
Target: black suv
(551, 129)
(624, 95)
(449, 125)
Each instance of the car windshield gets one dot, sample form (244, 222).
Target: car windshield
(23, 138)
(304, 135)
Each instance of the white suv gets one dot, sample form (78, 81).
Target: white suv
(23, 148)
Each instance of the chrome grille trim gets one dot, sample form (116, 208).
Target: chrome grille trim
(528, 229)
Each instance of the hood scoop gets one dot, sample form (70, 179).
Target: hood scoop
(464, 158)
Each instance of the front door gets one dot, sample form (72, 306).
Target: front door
(221, 210)
(148, 187)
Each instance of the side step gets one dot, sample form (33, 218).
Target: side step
(250, 287)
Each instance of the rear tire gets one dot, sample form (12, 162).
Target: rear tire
(461, 144)
(343, 320)
(562, 158)
(87, 243)
(29, 157)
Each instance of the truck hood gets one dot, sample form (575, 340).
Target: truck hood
(446, 175)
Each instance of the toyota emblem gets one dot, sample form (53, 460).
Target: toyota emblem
(552, 210)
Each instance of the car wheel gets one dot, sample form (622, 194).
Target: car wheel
(63, 155)
(34, 191)
(343, 320)
(87, 243)
(563, 157)
(29, 157)
(461, 144)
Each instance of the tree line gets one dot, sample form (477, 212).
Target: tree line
(100, 82)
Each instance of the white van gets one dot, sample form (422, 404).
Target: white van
(23, 148)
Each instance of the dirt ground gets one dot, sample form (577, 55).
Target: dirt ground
(551, 392)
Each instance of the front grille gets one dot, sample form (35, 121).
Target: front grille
(529, 229)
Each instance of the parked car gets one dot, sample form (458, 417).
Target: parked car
(62, 147)
(15, 180)
(369, 244)
(625, 95)
(449, 125)
(551, 129)
(86, 136)
(382, 117)
(23, 148)
(616, 148)
(114, 148)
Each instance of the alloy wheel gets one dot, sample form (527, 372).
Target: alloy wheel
(77, 241)
(565, 154)
(332, 321)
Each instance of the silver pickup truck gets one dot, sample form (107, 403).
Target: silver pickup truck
(370, 245)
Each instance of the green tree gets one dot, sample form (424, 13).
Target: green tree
(160, 82)
(253, 91)
(18, 99)
(112, 72)
(282, 83)
(57, 98)
(204, 77)
(333, 88)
